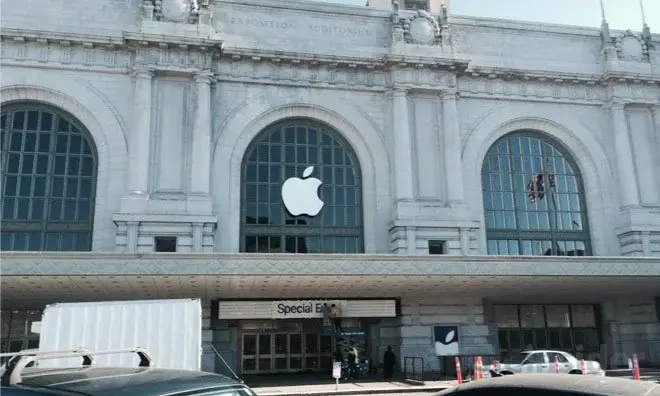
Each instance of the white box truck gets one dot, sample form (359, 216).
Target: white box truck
(171, 330)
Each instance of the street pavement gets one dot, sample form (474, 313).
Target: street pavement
(353, 388)
(322, 385)
(403, 394)
(371, 387)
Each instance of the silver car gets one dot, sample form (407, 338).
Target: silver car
(543, 361)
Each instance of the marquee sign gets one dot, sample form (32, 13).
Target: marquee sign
(299, 309)
(304, 309)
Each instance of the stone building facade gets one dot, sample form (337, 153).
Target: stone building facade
(464, 162)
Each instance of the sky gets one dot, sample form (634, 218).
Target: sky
(621, 14)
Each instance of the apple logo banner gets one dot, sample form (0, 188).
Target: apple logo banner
(446, 340)
(300, 195)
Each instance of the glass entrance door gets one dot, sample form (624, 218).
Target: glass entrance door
(249, 353)
(312, 351)
(256, 353)
(288, 352)
(295, 352)
(282, 352)
(265, 351)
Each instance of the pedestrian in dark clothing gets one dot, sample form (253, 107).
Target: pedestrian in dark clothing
(336, 316)
(389, 360)
(352, 366)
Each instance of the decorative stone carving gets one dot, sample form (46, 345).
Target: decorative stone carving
(631, 46)
(147, 7)
(444, 19)
(180, 11)
(421, 28)
(395, 12)
(397, 28)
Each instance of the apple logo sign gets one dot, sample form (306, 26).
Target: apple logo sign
(446, 340)
(300, 195)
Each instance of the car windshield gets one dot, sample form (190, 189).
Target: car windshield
(515, 358)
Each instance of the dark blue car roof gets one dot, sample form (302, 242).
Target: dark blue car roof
(120, 381)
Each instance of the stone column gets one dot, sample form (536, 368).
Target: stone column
(139, 148)
(201, 146)
(624, 156)
(452, 149)
(197, 236)
(403, 170)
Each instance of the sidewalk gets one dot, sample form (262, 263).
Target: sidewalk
(351, 388)
(644, 374)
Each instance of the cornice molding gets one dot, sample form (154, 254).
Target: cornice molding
(561, 77)
(125, 39)
(63, 37)
(99, 53)
(288, 257)
(96, 263)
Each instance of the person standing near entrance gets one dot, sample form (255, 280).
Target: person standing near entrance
(352, 365)
(336, 316)
(389, 360)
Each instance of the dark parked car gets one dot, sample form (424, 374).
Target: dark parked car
(554, 385)
(90, 380)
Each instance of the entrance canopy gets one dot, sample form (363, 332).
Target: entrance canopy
(32, 280)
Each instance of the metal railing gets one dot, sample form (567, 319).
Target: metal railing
(413, 369)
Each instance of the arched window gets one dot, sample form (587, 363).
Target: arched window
(49, 168)
(284, 150)
(533, 198)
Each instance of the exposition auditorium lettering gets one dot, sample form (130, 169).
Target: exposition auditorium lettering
(283, 25)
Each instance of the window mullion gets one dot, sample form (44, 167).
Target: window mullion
(49, 178)
(516, 203)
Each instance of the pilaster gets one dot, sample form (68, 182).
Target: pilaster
(452, 150)
(139, 148)
(656, 119)
(629, 194)
(201, 150)
(403, 173)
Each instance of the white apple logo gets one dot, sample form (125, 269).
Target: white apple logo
(300, 196)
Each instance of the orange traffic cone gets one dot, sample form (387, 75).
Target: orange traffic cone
(635, 367)
(459, 375)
